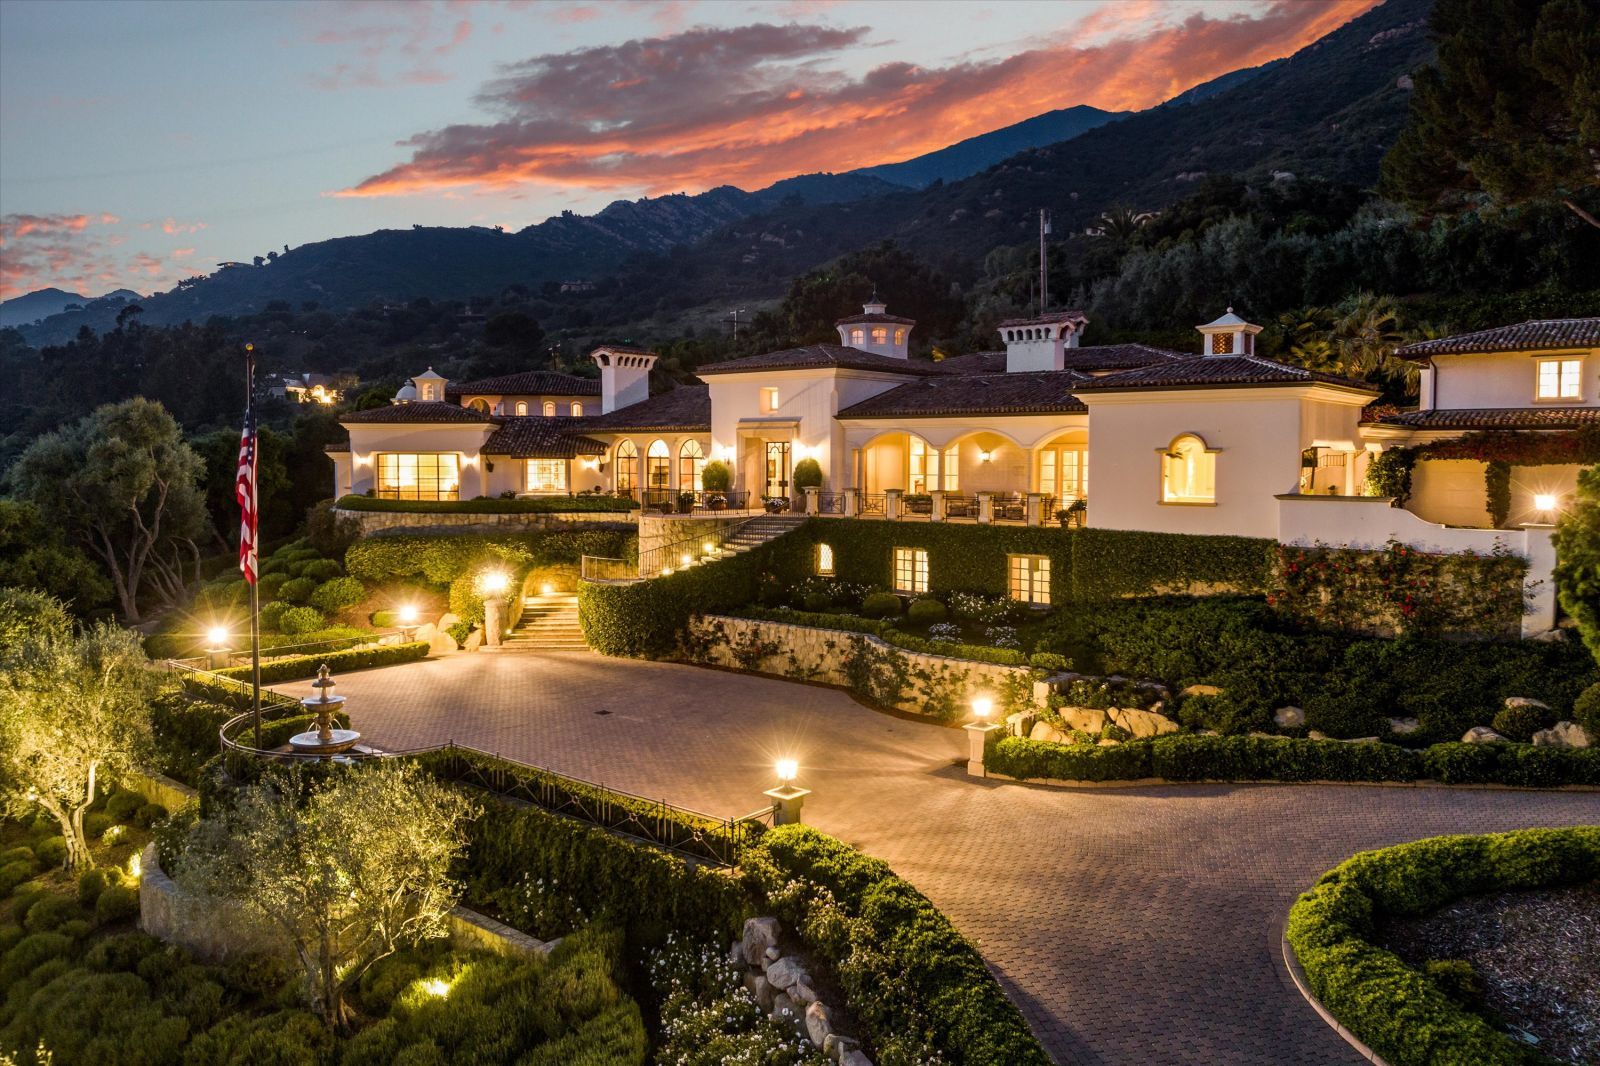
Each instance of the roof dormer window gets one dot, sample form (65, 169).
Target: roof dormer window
(857, 335)
(1559, 380)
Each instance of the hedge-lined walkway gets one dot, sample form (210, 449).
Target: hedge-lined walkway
(1130, 925)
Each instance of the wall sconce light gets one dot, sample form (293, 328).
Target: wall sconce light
(984, 455)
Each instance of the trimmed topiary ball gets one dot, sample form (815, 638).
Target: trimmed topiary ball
(1522, 721)
(117, 903)
(925, 610)
(15, 873)
(271, 585)
(122, 804)
(338, 593)
(51, 851)
(321, 570)
(300, 620)
(272, 615)
(881, 605)
(298, 590)
(1586, 712)
(96, 824)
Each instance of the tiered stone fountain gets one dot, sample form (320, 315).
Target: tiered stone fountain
(324, 740)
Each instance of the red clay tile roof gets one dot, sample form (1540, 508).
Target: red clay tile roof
(1492, 418)
(1220, 371)
(1091, 357)
(867, 319)
(537, 437)
(1540, 333)
(685, 409)
(414, 413)
(527, 383)
(1027, 393)
(821, 356)
(623, 349)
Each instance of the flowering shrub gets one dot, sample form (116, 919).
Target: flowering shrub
(945, 633)
(1390, 472)
(708, 1018)
(976, 607)
(1002, 636)
(1399, 589)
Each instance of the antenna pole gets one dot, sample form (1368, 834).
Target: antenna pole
(1044, 262)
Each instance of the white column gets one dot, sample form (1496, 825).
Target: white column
(1541, 554)
(937, 514)
(891, 503)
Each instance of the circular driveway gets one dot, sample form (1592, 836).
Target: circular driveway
(1136, 925)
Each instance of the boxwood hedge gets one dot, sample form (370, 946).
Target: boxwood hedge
(1214, 758)
(440, 557)
(493, 505)
(908, 975)
(1395, 1010)
(296, 667)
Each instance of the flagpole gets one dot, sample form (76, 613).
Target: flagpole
(255, 541)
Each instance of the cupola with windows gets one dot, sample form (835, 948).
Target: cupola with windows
(1229, 335)
(426, 387)
(875, 330)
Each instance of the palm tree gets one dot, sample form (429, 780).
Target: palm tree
(1367, 332)
(1122, 223)
(1308, 339)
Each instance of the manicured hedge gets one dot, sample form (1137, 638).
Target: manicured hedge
(298, 667)
(1392, 1008)
(911, 980)
(1085, 564)
(643, 619)
(493, 505)
(440, 557)
(1209, 758)
(884, 630)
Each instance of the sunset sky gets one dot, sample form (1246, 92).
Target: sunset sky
(143, 142)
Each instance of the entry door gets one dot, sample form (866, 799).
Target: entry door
(777, 468)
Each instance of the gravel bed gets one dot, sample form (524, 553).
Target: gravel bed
(1537, 953)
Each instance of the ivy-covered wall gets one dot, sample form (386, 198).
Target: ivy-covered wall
(1085, 564)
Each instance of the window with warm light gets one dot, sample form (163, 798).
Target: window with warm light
(900, 336)
(547, 475)
(825, 560)
(522, 407)
(627, 468)
(480, 405)
(1029, 578)
(932, 470)
(1188, 472)
(691, 466)
(1064, 473)
(658, 466)
(857, 336)
(549, 408)
(769, 399)
(576, 409)
(419, 476)
(1560, 379)
(880, 335)
(911, 570)
(1222, 344)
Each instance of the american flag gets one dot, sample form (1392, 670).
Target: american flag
(244, 490)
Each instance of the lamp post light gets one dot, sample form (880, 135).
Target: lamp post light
(493, 585)
(978, 731)
(1545, 502)
(218, 653)
(787, 798)
(408, 623)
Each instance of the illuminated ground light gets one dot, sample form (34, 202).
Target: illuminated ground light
(787, 769)
(218, 636)
(1545, 501)
(408, 615)
(982, 708)
(437, 987)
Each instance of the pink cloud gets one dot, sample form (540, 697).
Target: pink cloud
(80, 253)
(372, 37)
(751, 104)
(172, 225)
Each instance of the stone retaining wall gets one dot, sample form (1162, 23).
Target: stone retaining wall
(372, 521)
(218, 932)
(684, 531)
(936, 685)
(158, 788)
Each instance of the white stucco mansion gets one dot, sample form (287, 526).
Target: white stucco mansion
(1218, 440)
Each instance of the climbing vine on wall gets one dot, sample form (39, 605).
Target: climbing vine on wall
(1400, 590)
(1389, 473)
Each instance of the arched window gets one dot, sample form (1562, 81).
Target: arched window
(658, 466)
(927, 465)
(880, 335)
(549, 408)
(627, 472)
(522, 407)
(577, 409)
(480, 405)
(857, 336)
(691, 465)
(900, 336)
(1188, 471)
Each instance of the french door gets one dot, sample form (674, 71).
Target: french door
(777, 468)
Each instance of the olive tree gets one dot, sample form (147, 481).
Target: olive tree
(347, 870)
(124, 485)
(74, 710)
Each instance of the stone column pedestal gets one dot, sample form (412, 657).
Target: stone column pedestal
(786, 803)
(977, 739)
(986, 508)
(937, 514)
(493, 615)
(852, 503)
(218, 658)
(891, 503)
(1035, 508)
(811, 500)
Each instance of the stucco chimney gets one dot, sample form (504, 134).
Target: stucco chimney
(1041, 343)
(624, 376)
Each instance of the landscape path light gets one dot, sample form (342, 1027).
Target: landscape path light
(218, 653)
(493, 585)
(978, 731)
(1545, 502)
(408, 623)
(787, 798)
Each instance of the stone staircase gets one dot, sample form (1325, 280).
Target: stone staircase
(549, 623)
(759, 530)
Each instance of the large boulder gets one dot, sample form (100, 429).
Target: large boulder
(1020, 723)
(1289, 717)
(819, 1023)
(1562, 735)
(1404, 725)
(1514, 702)
(1048, 733)
(442, 643)
(1200, 690)
(1087, 719)
(759, 935)
(1141, 723)
(785, 972)
(760, 988)
(854, 1057)
(1482, 734)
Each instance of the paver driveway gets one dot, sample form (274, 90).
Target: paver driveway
(1130, 925)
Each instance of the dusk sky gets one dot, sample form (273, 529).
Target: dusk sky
(143, 142)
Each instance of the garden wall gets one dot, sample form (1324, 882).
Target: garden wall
(661, 531)
(917, 682)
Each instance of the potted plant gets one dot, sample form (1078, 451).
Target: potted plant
(775, 504)
(716, 502)
(1072, 513)
(685, 502)
(807, 475)
(919, 503)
